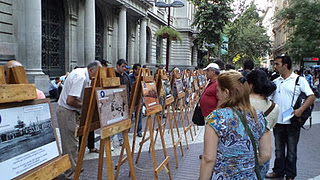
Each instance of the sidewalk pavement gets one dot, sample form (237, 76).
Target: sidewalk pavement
(189, 164)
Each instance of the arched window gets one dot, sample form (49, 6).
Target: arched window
(158, 50)
(148, 45)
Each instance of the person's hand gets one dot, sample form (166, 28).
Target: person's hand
(297, 112)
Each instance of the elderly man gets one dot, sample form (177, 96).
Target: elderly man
(209, 98)
(69, 106)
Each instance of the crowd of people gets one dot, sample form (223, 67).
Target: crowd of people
(240, 109)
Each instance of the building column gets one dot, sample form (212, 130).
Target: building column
(32, 59)
(122, 37)
(89, 31)
(143, 41)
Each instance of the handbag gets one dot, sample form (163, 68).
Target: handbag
(197, 117)
(300, 121)
(249, 132)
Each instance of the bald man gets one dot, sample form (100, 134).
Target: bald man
(13, 63)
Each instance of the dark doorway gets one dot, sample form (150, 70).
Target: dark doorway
(53, 42)
(99, 35)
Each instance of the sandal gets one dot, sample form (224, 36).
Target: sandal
(94, 150)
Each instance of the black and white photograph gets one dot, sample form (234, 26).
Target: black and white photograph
(166, 88)
(179, 85)
(112, 105)
(26, 135)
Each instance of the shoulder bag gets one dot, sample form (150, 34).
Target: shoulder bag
(300, 121)
(197, 117)
(249, 132)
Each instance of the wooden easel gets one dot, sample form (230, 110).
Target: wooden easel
(105, 77)
(169, 102)
(18, 89)
(135, 106)
(181, 105)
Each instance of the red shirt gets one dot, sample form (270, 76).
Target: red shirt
(209, 98)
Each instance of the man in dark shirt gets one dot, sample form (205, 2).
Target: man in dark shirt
(132, 77)
(124, 80)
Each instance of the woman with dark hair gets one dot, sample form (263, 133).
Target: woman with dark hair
(228, 149)
(261, 88)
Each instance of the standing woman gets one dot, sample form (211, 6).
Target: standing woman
(261, 88)
(228, 151)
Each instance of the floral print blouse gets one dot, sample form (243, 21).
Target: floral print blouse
(235, 155)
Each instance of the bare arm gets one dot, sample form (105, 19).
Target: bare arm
(310, 99)
(74, 102)
(209, 153)
(265, 149)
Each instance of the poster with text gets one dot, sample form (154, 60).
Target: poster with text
(27, 139)
(112, 105)
(150, 94)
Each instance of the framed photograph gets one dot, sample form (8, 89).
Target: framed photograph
(112, 105)
(150, 94)
(166, 88)
(179, 85)
(27, 138)
(190, 82)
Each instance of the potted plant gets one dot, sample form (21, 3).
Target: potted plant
(167, 32)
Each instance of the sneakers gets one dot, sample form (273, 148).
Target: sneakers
(139, 134)
(273, 175)
(112, 148)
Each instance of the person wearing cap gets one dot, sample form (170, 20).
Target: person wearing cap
(209, 98)
(121, 69)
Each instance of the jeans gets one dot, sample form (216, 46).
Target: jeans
(286, 136)
(139, 130)
(264, 168)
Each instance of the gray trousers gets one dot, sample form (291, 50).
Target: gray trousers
(67, 125)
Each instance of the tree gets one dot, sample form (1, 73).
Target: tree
(247, 38)
(210, 18)
(303, 17)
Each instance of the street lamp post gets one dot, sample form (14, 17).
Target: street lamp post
(162, 4)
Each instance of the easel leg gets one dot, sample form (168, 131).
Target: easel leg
(129, 157)
(101, 153)
(188, 121)
(119, 161)
(177, 127)
(172, 137)
(152, 148)
(135, 129)
(109, 158)
(142, 141)
(183, 125)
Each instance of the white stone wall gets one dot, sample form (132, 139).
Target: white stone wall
(6, 30)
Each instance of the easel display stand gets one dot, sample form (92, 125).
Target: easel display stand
(105, 78)
(169, 102)
(180, 105)
(17, 90)
(144, 77)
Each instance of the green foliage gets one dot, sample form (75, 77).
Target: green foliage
(303, 18)
(247, 38)
(210, 18)
(173, 34)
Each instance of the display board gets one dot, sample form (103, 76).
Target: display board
(112, 105)
(150, 94)
(28, 138)
(179, 85)
(166, 88)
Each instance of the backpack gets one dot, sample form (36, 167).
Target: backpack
(300, 121)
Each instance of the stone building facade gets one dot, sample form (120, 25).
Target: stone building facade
(51, 37)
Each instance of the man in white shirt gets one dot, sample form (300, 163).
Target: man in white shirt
(69, 107)
(286, 135)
